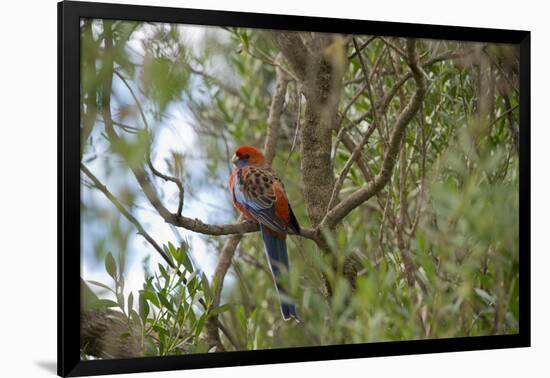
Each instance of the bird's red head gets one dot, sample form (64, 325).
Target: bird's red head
(248, 155)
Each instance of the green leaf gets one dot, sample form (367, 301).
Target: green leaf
(215, 282)
(218, 310)
(191, 313)
(176, 253)
(242, 317)
(100, 285)
(121, 301)
(205, 287)
(167, 252)
(245, 39)
(143, 307)
(164, 272)
(130, 301)
(165, 302)
(110, 265)
(186, 262)
(200, 324)
(200, 347)
(162, 80)
(193, 284)
(151, 297)
(135, 317)
(488, 298)
(105, 303)
(87, 297)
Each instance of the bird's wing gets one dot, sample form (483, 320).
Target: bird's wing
(257, 190)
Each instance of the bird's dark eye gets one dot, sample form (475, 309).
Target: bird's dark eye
(245, 157)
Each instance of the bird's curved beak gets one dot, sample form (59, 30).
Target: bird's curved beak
(234, 159)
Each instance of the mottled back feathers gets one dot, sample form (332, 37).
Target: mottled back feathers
(258, 184)
(261, 194)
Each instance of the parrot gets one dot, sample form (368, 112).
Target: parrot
(260, 196)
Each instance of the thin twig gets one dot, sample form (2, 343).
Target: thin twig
(353, 157)
(297, 126)
(338, 212)
(134, 96)
(369, 91)
(502, 72)
(362, 47)
(175, 180)
(420, 200)
(385, 215)
(120, 207)
(275, 112)
(398, 49)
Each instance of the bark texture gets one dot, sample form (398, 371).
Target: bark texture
(318, 61)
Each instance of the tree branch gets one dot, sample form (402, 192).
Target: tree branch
(361, 48)
(120, 207)
(383, 103)
(398, 49)
(352, 159)
(176, 181)
(134, 96)
(408, 261)
(366, 76)
(350, 262)
(335, 215)
(274, 119)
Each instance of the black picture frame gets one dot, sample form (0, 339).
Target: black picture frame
(69, 14)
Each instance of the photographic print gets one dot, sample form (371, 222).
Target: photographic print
(252, 189)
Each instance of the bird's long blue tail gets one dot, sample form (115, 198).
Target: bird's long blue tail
(277, 256)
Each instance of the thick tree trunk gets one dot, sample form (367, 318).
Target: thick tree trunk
(320, 75)
(105, 333)
(316, 137)
(318, 62)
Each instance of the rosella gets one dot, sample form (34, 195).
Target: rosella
(260, 196)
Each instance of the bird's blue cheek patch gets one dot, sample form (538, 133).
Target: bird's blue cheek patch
(241, 163)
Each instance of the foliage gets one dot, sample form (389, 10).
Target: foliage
(434, 252)
(166, 316)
